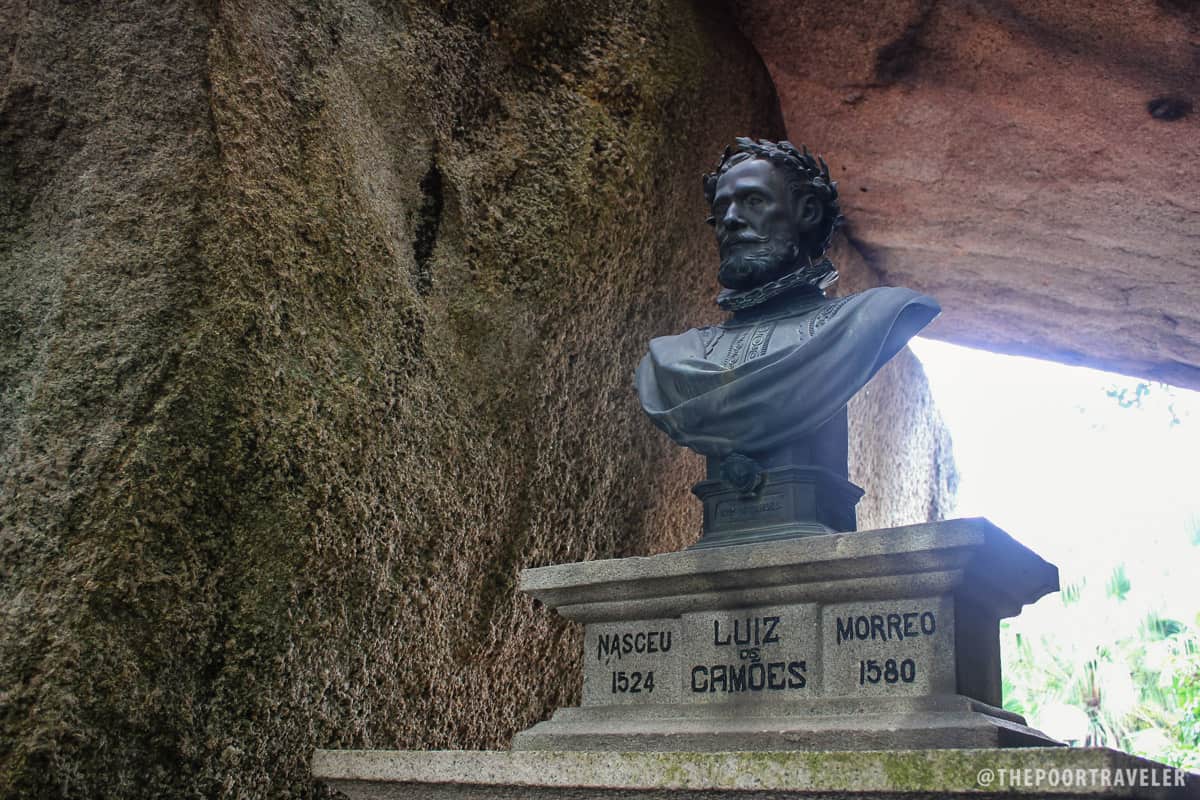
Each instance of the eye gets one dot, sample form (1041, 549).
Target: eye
(754, 200)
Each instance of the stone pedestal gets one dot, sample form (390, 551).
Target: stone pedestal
(1060, 772)
(803, 490)
(844, 665)
(794, 501)
(884, 639)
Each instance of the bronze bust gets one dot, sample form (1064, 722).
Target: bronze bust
(763, 394)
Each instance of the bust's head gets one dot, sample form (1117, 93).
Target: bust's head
(774, 209)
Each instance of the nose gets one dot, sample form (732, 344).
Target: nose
(732, 218)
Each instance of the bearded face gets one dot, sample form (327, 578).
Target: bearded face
(749, 263)
(758, 223)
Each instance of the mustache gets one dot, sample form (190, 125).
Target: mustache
(742, 238)
(747, 264)
(761, 257)
(744, 267)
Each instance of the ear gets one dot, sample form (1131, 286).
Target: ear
(808, 212)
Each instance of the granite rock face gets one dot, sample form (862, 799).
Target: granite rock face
(900, 450)
(319, 323)
(1033, 165)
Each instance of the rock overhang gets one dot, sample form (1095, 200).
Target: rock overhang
(1032, 165)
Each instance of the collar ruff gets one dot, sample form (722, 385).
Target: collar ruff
(820, 275)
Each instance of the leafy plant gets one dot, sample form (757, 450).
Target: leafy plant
(1136, 681)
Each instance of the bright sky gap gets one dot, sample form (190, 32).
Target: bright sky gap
(1090, 469)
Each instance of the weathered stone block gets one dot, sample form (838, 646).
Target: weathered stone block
(631, 663)
(753, 655)
(883, 638)
(1066, 773)
(889, 648)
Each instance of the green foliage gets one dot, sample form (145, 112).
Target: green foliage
(1132, 397)
(1184, 666)
(1131, 684)
(1127, 398)
(1118, 583)
(1071, 592)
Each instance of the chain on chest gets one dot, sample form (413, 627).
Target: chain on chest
(731, 346)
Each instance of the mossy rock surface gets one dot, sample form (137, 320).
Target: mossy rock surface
(317, 324)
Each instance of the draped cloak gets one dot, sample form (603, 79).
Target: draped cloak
(770, 401)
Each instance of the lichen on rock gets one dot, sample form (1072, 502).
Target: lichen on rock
(319, 323)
